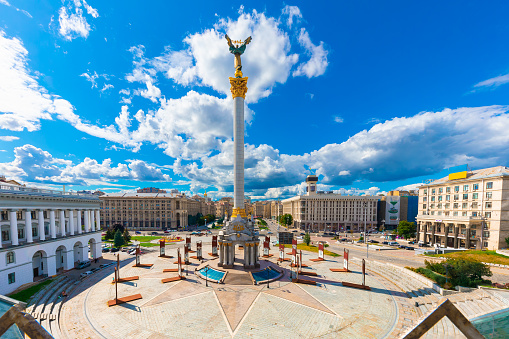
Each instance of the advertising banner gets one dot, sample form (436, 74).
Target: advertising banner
(320, 250)
(266, 248)
(294, 251)
(392, 207)
(186, 253)
(281, 251)
(214, 245)
(138, 255)
(188, 243)
(161, 248)
(198, 250)
(179, 262)
(345, 259)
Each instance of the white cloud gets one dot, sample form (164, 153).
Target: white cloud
(317, 64)
(32, 164)
(106, 87)
(292, 12)
(73, 23)
(493, 82)
(338, 119)
(8, 138)
(91, 78)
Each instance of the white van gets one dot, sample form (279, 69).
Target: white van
(393, 243)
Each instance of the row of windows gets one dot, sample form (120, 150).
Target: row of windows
(466, 187)
(464, 196)
(488, 204)
(463, 214)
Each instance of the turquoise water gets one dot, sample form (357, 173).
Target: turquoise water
(495, 325)
(13, 332)
(263, 274)
(211, 273)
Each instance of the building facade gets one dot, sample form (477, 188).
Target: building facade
(467, 209)
(324, 212)
(147, 211)
(397, 206)
(45, 232)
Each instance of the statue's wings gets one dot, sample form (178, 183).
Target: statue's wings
(229, 40)
(248, 40)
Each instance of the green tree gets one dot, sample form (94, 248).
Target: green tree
(109, 234)
(126, 236)
(406, 229)
(307, 239)
(463, 272)
(507, 241)
(118, 241)
(286, 219)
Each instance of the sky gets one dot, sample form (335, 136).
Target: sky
(370, 96)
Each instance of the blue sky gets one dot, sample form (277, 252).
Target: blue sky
(371, 96)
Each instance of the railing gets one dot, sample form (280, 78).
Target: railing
(45, 191)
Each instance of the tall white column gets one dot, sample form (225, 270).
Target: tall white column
(42, 234)
(28, 225)
(78, 221)
(92, 220)
(98, 219)
(71, 222)
(14, 227)
(61, 219)
(52, 227)
(238, 152)
(87, 220)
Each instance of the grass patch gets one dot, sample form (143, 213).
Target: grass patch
(483, 256)
(145, 238)
(29, 292)
(148, 244)
(314, 249)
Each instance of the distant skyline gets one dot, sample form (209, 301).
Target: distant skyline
(121, 95)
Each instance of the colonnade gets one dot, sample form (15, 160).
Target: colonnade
(427, 232)
(92, 222)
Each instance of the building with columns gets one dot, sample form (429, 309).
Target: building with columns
(468, 209)
(45, 232)
(328, 212)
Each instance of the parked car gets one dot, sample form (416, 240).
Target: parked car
(125, 249)
(269, 233)
(410, 248)
(83, 264)
(166, 231)
(95, 269)
(137, 232)
(106, 249)
(86, 274)
(106, 265)
(411, 242)
(385, 243)
(393, 243)
(114, 249)
(373, 241)
(154, 233)
(302, 233)
(344, 239)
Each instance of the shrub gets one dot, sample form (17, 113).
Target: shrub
(306, 239)
(463, 272)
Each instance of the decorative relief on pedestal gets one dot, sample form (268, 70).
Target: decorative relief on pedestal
(238, 87)
(239, 211)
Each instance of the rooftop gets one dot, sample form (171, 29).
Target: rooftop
(6, 188)
(475, 175)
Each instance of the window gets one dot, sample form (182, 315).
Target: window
(448, 190)
(433, 191)
(433, 198)
(455, 213)
(424, 198)
(475, 196)
(34, 231)
(465, 188)
(447, 205)
(432, 212)
(6, 236)
(10, 257)
(474, 214)
(423, 206)
(489, 185)
(487, 214)
(464, 214)
(439, 205)
(425, 191)
(11, 278)
(464, 205)
(21, 233)
(475, 187)
(456, 188)
(440, 190)
(474, 205)
(488, 204)
(439, 213)
(488, 195)
(455, 205)
(448, 198)
(439, 198)
(456, 197)
(465, 196)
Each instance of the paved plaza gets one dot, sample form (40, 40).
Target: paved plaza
(188, 308)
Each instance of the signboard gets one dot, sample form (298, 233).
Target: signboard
(320, 250)
(266, 248)
(285, 238)
(138, 255)
(214, 245)
(188, 243)
(161, 248)
(179, 262)
(294, 251)
(345, 259)
(198, 250)
(186, 254)
(281, 252)
(392, 207)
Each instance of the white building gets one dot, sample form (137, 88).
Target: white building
(325, 211)
(45, 232)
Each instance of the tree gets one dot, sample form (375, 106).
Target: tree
(507, 241)
(406, 229)
(307, 239)
(286, 219)
(463, 272)
(126, 236)
(118, 241)
(109, 234)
